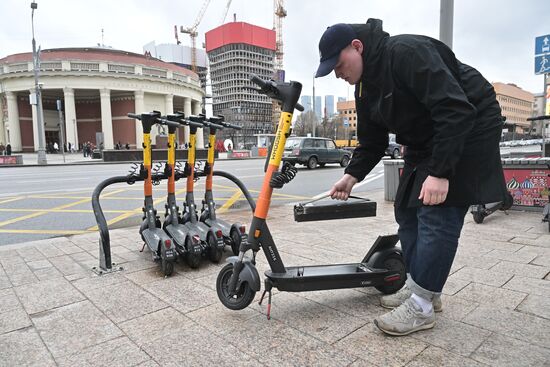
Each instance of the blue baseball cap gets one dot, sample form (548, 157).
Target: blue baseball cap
(333, 41)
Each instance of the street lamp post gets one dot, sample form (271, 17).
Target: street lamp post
(35, 62)
(446, 22)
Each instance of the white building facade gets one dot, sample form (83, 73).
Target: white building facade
(98, 88)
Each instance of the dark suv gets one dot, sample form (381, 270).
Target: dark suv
(394, 148)
(314, 151)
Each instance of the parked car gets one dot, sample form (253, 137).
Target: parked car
(313, 152)
(393, 149)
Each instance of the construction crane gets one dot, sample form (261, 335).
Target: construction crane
(192, 32)
(225, 11)
(279, 13)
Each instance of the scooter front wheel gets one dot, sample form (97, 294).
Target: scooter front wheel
(393, 263)
(478, 217)
(243, 298)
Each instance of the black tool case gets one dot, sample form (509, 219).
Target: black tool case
(358, 208)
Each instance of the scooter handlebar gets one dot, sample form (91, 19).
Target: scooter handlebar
(134, 116)
(219, 120)
(212, 125)
(194, 121)
(167, 122)
(269, 88)
(191, 123)
(232, 126)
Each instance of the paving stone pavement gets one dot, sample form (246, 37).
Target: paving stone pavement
(54, 311)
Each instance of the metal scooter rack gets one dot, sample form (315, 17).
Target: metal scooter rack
(105, 262)
(106, 265)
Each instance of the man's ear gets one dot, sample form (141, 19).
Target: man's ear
(358, 45)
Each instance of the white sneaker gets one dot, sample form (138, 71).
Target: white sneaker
(395, 300)
(405, 319)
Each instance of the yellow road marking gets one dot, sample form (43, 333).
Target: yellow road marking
(44, 231)
(86, 197)
(132, 212)
(60, 210)
(12, 199)
(37, 214)
(230, 202)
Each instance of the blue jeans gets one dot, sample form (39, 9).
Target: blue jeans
(429, 239)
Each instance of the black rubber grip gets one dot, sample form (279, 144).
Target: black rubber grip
(168, 123)
(258, 81)
(299, 107)
(232, 126)
(134, 116)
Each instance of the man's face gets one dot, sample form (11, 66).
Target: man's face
(350, 63)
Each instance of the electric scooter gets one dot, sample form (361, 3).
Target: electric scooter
(153, 236)
(211, 241)
(481, 211)
(238, 281)
(232, 233)
(186, 239)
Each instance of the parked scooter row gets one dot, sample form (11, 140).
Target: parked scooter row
(182, 233)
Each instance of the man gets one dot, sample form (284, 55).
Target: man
(447, 116)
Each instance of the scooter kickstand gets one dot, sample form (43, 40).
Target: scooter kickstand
(268, 287)
(142, 247)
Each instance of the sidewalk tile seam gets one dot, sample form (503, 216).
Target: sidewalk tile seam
(104, 342)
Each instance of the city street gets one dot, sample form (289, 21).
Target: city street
(44, 202)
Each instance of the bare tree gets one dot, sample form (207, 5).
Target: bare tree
(304, 123)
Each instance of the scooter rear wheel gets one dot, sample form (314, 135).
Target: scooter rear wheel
(167, 267)
(193, 259)
(394, 263)
(215, 253)
(236, 240)
(243, 298)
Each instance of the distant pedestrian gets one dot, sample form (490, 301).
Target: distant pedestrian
(55, 147)
(2, 148)
(8, 149)
(127, 146)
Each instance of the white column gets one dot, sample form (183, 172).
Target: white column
(187, 112)
(106, 118)
(2, 123)
(169, 104)
(71, 129)
(200, 137)
(35, 124)
(13, 122)
(139, 108)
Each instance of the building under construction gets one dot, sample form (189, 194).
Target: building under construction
(236, 51)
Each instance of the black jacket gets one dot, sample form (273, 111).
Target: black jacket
(442, 110)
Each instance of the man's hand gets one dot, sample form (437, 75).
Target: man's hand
(434, 190)
(342, 189)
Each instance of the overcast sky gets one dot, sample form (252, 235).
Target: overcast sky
(495, 36)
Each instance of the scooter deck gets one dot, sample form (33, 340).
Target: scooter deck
(200, 228)
(178, 232)
(323, 277)
(219, 223)
(152, 238)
